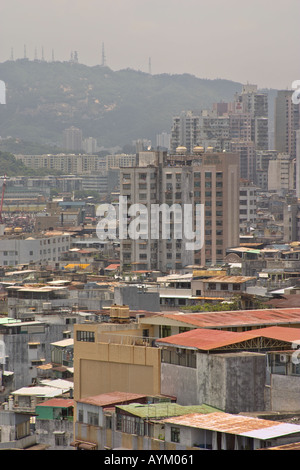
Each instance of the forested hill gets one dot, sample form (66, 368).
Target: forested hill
(116, 107)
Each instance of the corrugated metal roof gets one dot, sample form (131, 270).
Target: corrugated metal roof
(106, 399)
(204, 339)
(162, 410)
(292, 446)
(38, 391)
(237, 318)
(58, 403)
(236, 424)
(229, 279)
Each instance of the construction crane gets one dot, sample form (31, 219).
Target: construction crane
(2, 198)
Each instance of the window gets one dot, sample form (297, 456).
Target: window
(93, 418)
(175, 434)
(87, 336)
(164, 331)
(80, 416)
(108, 422)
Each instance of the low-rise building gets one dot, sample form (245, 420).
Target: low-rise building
(54, 423)
(40, 249)
(222, 431)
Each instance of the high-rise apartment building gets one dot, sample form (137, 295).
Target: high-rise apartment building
(246, 150)
(66, 164)
(209, 180)
(297, 169)
(281, 174)
(253, 101)
(248, 204)
(185, 131)
(72, 139)
(287, 122)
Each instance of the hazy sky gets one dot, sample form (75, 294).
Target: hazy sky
(255, 41)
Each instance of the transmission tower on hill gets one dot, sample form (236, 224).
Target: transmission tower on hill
(103, 56)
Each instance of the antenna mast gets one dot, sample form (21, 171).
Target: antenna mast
(103, 56)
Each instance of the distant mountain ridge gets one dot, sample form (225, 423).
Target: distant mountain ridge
(115, 107)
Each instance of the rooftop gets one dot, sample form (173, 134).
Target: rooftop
(236, 424)
(235, 318)
(112, 398)
(162, 410)
(58, 403)
(205, 340)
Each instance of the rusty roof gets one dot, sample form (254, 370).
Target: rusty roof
(111, 398)
(58, 403)
(292, 446)
(235, 424)
(205, 339)
(229, 279)
(237, 318)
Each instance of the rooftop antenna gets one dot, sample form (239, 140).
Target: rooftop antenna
(35, 54)
(43, 54)
(25, 56)
(52, 55)
(103, 56)
(150, 65)
(12, 54)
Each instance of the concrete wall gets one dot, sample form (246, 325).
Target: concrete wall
(284, 393)
(230, 382)
(180, 382)
(136, 299)
(45, 433)
(19, 355)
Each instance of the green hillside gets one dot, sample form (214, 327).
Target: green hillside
(116, 107)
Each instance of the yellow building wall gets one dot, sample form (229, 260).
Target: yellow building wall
(101, 367)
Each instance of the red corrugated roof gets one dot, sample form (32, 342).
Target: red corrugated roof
(238, 317)
(106, 399)
(58, 402)
(112, 267)
(205, 339)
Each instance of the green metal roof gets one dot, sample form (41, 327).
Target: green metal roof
(164, 410)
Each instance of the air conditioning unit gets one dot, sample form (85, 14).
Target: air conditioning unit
(283, 358)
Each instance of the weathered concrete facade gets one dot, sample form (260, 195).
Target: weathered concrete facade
(232, 382)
